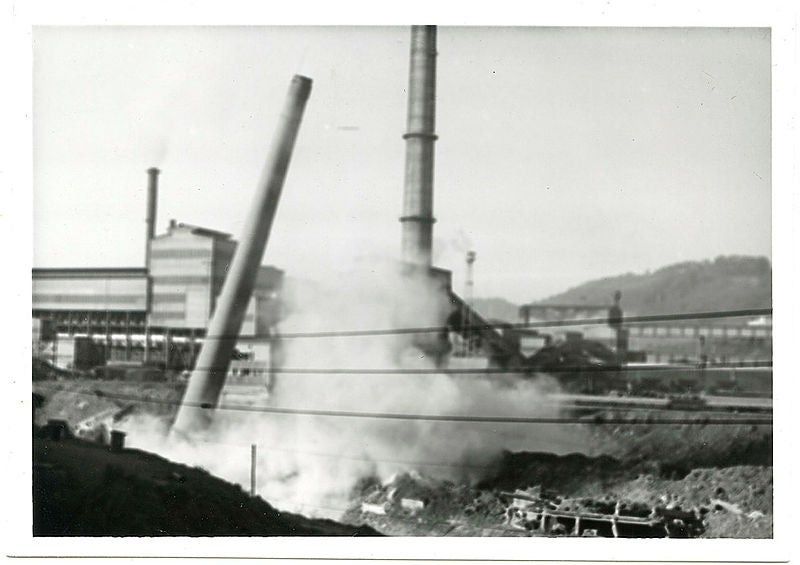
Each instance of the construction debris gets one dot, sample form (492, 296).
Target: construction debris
(411, 504)
(727, 506)
(531, 510)
(368, 508)
(621, 504)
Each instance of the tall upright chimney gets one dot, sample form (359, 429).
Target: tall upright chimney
(417, 219)
(152, 202)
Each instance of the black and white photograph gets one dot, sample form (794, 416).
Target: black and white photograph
(365, 280)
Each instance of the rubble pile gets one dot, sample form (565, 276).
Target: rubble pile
(608, 517)
(540, 494)
(733, 501)
(408, 504)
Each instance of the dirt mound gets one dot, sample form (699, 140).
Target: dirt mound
(84, 489)
(738, 499)
(674, 450)
(553, 472)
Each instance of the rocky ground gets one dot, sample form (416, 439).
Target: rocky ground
(728, 502)
(722, 475)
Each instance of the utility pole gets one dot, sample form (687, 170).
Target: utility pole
(253, 459)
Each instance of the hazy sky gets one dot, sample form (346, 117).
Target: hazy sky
(564, 154)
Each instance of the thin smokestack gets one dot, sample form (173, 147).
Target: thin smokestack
(417, 219)
(152, 203)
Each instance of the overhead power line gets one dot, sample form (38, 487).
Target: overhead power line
(521, 325)
(268, 447)
(501, 370)
(736, 420)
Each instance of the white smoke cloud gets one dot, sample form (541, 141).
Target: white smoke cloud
(309, 464)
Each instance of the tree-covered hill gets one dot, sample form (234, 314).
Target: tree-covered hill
(726, 283)
(497, 309)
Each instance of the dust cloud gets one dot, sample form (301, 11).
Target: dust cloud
(309, 464)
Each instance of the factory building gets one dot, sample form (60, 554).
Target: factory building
(188, 265)
(84, 317)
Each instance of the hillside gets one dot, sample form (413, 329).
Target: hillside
(726, 283)
(496, 309)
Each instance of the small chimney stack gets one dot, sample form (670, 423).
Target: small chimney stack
(152, 202)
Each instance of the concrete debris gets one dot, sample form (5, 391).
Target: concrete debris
(755, 515)
(727, 506)
(412, 504)
(97, 427)
(368, 508)
(523, 498)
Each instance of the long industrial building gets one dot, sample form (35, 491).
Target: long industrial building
(85, 317)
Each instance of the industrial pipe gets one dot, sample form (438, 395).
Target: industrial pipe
(208, 378)
(417, 220)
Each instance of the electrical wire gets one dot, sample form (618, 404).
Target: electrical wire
(269, 447)
(501, 370)
(516, 326)
(696, 420)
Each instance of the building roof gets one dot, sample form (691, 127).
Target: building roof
(90, 272)
(196, 230)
